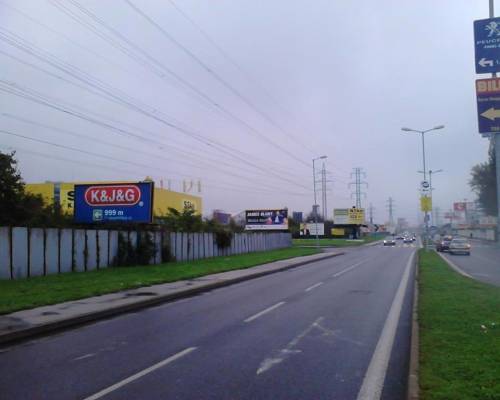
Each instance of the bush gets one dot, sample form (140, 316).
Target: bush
(129, 255)
(223, 239)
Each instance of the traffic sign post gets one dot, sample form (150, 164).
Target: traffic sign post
(487, 45)
(425, 186)
(488, 105)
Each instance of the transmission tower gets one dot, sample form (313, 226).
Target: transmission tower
(370, 213)
(323, 175)
(390, 208)
(358, 183)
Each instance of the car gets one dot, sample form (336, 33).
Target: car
(399, 237)
(407, 239)
(389, 241)
(459, 246)
(444, 243)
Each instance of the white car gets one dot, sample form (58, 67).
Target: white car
(459, 246)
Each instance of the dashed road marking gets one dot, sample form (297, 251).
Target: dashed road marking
(267, 310)
(313, 286)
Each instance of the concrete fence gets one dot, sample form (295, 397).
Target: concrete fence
(27, 252)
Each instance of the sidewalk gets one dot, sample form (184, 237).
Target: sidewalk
(27, 323)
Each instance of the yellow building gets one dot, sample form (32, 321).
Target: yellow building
(63, 193)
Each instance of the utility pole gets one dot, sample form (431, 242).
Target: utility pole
(358, 183)
(323, 188)
(390, 207)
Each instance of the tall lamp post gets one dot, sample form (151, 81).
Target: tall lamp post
(315, 209)
(426, 219)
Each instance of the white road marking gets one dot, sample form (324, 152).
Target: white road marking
(84, 356)
(371, 389)
(140, 374)
(337, 274)
(260, 314)
(313, 286)
(270, 362)
(454, 266)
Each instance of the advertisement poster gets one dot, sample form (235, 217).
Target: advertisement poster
(114, 202)
(260, 220)
(349, 216)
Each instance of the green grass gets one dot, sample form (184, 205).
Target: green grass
(335, 242)
(33, 292)
(459, 334)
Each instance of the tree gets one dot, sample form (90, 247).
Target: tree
(484, 183)
(16, 206)
(186, 221)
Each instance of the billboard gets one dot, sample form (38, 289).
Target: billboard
(312, 229)
(114, 202)
(460, 206)
(259, 220)
(349, 216)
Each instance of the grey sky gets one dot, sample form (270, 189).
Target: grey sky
(343, 76)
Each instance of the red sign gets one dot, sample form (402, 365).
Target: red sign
(115, 195)
(459, 206)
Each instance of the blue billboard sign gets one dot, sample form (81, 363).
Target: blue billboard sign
(487, 45)
(114, 202)
(488, 105)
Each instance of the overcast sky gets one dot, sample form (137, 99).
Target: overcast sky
(243, 95)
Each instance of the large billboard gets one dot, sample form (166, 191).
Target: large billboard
(312, 229)
(260, 220)
(114, 202)
(349, 216)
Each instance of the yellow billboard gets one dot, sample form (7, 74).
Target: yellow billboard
(63, 193)
(349, 216)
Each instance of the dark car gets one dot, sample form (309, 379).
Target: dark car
(444, 243)
(407, 239)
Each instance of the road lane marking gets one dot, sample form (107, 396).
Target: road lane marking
(313, 286)
(455, 266)
(373, 382)
(267, 310)
(140, 374)
(84, 356)
(270, 362)
(337, 274)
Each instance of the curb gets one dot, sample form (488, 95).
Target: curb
(34, 331)
(454, 267)
(413, 385)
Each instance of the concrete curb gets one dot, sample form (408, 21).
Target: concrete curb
(37, 330)
(454, 267)
(413, 385)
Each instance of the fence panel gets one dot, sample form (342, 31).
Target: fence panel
(66, 250)
(36, 252)
(5, 253)
(158, 243)
(79, 249)
(91, 250)
(19, 252)
(102, 248)
(51, 251)
(113, 247)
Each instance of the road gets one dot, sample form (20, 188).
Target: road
(483, 264)
(334, 329)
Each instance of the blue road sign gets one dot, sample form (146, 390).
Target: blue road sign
(487, 45)
(114, 202)
(488, 105)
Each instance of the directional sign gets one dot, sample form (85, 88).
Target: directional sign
(488, 105)
(487, 45)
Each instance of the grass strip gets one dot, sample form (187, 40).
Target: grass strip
(22, 294)
(459, 334)
(335, 242)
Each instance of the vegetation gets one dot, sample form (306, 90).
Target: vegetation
(33, 292)
(459, 334)
(17, 207)
(483, 182)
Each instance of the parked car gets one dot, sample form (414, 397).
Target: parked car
(389, 241)
(444, 243)
(459, 246)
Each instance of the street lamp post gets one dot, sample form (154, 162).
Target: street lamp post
(315, 212)
(426, 219)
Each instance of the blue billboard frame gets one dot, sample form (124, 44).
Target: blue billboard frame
(133, 208)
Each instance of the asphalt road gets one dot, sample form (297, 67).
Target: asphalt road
(483, 264)
(335, 329)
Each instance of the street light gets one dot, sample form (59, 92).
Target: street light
(425, 170)
(314, 206)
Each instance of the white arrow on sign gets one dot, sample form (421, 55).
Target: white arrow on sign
(491, 113)
(483, 62)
